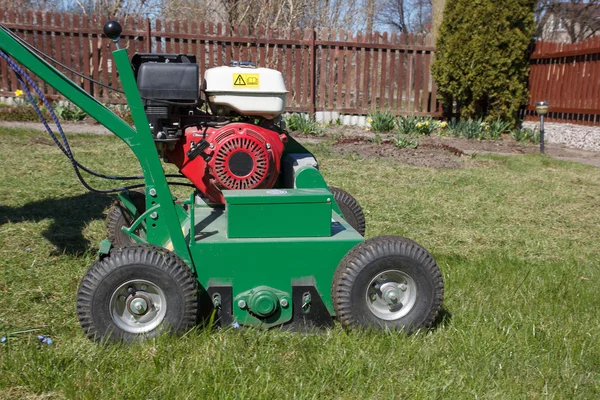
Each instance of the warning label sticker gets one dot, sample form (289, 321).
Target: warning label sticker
(246, 81)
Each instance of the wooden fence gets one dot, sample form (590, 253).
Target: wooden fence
(568, 76)
(324, 70)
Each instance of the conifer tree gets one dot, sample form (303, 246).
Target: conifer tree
(481, 60)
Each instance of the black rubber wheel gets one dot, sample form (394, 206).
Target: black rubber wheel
(118, 216)
(388, 282)
(351, 210)
(137, 292)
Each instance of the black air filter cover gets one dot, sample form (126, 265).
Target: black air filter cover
(168, 81)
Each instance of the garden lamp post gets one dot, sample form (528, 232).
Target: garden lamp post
(541, 107)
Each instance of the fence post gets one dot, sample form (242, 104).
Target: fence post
(148, 36)
(313, 74)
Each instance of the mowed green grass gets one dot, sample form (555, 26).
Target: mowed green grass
(515, 237)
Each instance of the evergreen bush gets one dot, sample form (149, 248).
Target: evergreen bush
(481, 59)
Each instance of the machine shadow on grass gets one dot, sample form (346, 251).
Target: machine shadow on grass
(69, 215)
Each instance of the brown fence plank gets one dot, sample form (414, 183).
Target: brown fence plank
(104, 60)
(409, 76)
(186, 45)
(288, 68)
(244, 46)
(349, 72)
(589, 77)
(582, 80)
(323, 69)
(306, 67)
(595, 102)
(58, 47)
(158, 35)
(383, 95)
(211, 46)
(227, 45)
(96, 47)
(355, 73)
(375, 54)
(220, 59)
(254, 47)
(332, 54)
(76, 51)
(357, 76)
(298, 63)
(3, 64)
(236, 47)
(262, 51)
(400, 75)
(426, 74)
(339, 80)
(202, 46)
(85, 53)
(366, 76)
(392, 75)
(279, 54)
(194, 43)
(270, 61)
(177, 40)
(13, 85)
(418, 75)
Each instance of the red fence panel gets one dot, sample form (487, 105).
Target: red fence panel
(567, 75)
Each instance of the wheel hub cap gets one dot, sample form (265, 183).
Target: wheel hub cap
(391, 295)
(138, 306)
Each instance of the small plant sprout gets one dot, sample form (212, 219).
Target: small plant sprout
(382, 121)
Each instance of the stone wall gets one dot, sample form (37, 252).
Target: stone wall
(574, 136)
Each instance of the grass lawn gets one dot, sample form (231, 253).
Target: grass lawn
(516, 238)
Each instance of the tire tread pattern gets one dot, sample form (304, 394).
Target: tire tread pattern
(137, 254)
(345, 198)
(366, 252)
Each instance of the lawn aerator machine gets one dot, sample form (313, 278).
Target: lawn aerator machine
(261, 241)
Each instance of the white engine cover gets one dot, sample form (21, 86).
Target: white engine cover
(248, 90)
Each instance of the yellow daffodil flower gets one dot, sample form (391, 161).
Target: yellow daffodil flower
(18, 93)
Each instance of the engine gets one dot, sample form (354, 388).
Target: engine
(237, 156)
(230, 139)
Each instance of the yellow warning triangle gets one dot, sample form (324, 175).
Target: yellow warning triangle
(239, 81)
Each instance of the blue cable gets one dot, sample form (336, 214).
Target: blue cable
(64, 146)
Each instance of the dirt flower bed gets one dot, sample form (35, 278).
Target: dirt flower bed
(435, 151)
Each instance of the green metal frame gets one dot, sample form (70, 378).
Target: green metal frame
(200, 233)
(167, 225)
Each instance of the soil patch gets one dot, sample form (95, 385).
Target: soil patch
(446, 152)
(426, 155)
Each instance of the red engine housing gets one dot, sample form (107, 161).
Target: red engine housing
(239, 157)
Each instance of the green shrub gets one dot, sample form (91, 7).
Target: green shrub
(531, 135)
(69, 112)
(475, 129)
(22, 114)
(481, 60)
(416, 125)
(122, 111)
(302, 124)
(497, 128)
(403, 141)
(468, 129)
(382, 121)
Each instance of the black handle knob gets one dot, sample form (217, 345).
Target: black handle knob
(112, 29)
